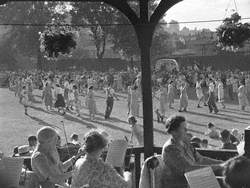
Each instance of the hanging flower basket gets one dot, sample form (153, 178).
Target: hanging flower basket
(232, 33)
(57, 40)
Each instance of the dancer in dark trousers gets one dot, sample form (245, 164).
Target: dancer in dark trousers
(110, 94)
(211, 98)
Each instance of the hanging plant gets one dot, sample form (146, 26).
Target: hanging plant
(57, 39)
(232, 33)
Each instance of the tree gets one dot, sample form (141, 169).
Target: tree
(232, 33)
(24, 39)
(99, 17)
(162, 44)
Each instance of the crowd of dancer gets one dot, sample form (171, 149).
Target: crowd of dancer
(63, 90)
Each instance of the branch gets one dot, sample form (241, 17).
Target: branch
(161, 9)
(124, 7)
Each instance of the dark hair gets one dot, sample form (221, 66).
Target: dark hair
(74, 137)
(204, 141)
(74, 87)
(94, 141)
(237, 172)
(174, 122)
(225, 134)
(32, 138)
(210, 125)
(196, 140)
(132, 118)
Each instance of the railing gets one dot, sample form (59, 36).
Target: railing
(137, 155)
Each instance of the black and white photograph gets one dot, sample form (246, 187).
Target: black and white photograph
(125, 94)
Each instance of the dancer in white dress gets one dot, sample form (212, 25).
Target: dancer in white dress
(199, 92)
(242, 96)
(221, 93)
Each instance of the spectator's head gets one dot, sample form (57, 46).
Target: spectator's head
(196, 142)
(47, 139)
(235, 132)
(189, 136)
(74, 137)
(74, 87)
(204, 143)
(32, 141)
(210, 126)
(132, 120)
(225, 136)
(94, 142)
(237, 172)
(134, 87)
(91, 87)
(177, 127)
(15, 151)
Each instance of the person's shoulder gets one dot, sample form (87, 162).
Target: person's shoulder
(170, 144)
(38, 156)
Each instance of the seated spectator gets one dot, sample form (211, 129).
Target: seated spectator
(15, 151)
(235, 136)
(226, 141)
(196, 142)
(32, 143)
(212, 132)
(136, 130)
(92, 171)
(204, 144)
(237, 173)
(74, 139)
(45, 160)
(180, 157)
(189, 136)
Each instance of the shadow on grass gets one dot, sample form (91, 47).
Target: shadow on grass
(44, 123)
(40, 109)
(216, 116)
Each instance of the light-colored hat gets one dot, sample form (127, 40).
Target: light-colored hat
(23, 149)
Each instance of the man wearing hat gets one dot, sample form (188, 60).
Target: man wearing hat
(110, 94)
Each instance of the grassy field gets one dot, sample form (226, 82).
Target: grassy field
(15, 127)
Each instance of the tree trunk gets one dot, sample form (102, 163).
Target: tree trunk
(39, 60)
(101, 49)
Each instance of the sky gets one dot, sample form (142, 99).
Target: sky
(192, 10)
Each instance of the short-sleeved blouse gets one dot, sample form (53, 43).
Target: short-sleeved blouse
(96, 174)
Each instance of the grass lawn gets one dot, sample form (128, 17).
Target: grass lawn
(15, 127)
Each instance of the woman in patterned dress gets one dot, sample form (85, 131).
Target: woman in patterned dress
(25, 99)
(221, 93)
(91, 103)
(134, 103)
(171, 94)
(47, 96)
(91, 171)
(183, 98)
(199, 92)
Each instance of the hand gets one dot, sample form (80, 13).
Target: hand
(127, 176)
(80, 153)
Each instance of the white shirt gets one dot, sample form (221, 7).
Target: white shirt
(211, 87)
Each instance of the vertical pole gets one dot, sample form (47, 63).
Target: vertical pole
(147, 101)
(247, 142)
(145, 35)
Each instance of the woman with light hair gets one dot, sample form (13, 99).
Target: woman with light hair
(91, 171)
(45, 160)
